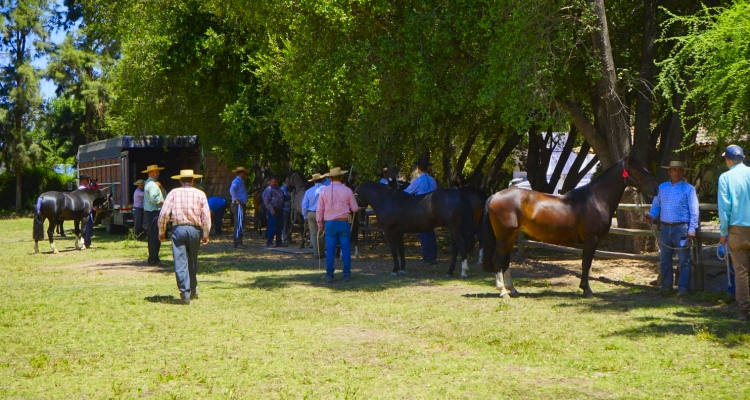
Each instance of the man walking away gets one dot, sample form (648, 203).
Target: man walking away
(335, 205)
(187, 207)
(153, 198)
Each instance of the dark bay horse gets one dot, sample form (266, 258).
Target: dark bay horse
(583, 215)
(58, 206)
(477, 197)
(297, 185)
(399, 213)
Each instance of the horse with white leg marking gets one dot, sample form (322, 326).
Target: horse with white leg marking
(57, 206)
(583, 215)
(398, 213)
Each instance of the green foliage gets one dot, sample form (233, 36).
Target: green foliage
(710, 64)
(35, 181)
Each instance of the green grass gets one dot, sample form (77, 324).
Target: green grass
(101, 324)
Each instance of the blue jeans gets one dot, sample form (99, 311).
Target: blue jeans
(337, 233)
(185, 245)
(275, 227)
(88, 230)
(671, 236)
(238, 213)
(428, 241)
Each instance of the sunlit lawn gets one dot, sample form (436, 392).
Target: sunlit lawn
(101, 324)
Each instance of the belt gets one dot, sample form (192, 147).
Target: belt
(672, 223)
(193, 226)
(340, 219)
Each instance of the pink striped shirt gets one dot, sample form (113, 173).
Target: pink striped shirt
(185, 206)
(336, 201)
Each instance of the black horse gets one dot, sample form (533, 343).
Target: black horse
(583, 215)
(477, 197)
(297, 185)
(399, 213)
(57, 206)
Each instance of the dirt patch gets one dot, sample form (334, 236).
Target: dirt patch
(119, 266)
(358, 334)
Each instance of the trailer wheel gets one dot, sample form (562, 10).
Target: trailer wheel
(110, 227)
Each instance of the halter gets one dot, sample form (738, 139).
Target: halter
(626, 176)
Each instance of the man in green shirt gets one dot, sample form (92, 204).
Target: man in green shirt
(153, 198)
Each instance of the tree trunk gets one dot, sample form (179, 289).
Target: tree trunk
(447, 152)
(19, 199)
(494, 175)
(461, 162)
(642, 135)
(564, 155)
(577, 173)
(476, 176)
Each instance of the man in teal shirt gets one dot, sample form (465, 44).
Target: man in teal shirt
(734, 222)
(153, 198)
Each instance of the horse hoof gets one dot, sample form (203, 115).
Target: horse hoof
(394, 274)
(54, 251)
(463, 276)
(504, 296)
(402, 272)
(515, 294)
(448, 276)
(587, 294)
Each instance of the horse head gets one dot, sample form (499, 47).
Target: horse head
(637, 176)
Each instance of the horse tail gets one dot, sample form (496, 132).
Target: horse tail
(38, 221)
(488, 239)
(467, 223)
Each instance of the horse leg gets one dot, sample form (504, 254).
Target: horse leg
(77, 232)
(589, 248)
(50, 232)
(391, 239)
(402, 254)
(503, 281)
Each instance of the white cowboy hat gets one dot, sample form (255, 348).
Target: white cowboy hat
(239, 169)
(152, 168)
(187, 173)
(315, 177)
(676, 164)
(335, 171)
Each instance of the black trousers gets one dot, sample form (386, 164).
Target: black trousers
(151, 219)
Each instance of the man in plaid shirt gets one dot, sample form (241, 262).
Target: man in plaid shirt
(676, 206)
(187, 207)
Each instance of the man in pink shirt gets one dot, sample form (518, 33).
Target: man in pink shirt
(335, 205)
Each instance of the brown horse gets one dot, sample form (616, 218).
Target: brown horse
(583, 215)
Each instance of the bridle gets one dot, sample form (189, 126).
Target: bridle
(625, 163)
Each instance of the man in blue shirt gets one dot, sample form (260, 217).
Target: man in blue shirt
(420, 185)
(273, 199)
(384, 176)
(218, 206)
(309, 212)
(676, 206)
(238, 191)
(734, 222)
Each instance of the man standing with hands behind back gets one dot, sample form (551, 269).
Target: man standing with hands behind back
(676, 206)
(153, 198)
(734, 222)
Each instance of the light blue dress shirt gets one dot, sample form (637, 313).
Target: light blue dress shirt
(238, 191)
(310, 201)
(422, 184)
(734, 198)
(676, 203)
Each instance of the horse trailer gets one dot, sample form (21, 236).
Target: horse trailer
(117, 163)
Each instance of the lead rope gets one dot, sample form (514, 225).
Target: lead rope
(652, 226)
(726, 259)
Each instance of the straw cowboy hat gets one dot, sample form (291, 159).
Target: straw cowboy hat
(385, 169)
(315, 177)
(139, 182)
(335, 171)
(152, 168)
(240, 169)
(676, 164)
(187, 173)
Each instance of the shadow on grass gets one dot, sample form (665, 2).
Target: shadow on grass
(164, 300)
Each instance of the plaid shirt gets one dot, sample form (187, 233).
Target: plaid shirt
(676, 203)
(186, 206)
(335, 201)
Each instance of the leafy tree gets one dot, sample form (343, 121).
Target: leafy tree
(24, 38)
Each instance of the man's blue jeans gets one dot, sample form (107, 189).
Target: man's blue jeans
(275, 227)
(674, 237)
(185, 245)
(337, 233)
(428, 242)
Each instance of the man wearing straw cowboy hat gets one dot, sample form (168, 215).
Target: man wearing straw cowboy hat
(384, 176)
(734, 222)
(310, 209)
(238, 191)
(335, 203)
(138, 207)
(153, 198)
(187, 207)
(676, 206)
(424, 184)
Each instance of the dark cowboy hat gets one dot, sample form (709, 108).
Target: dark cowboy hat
(423, 161)
(83, 176)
